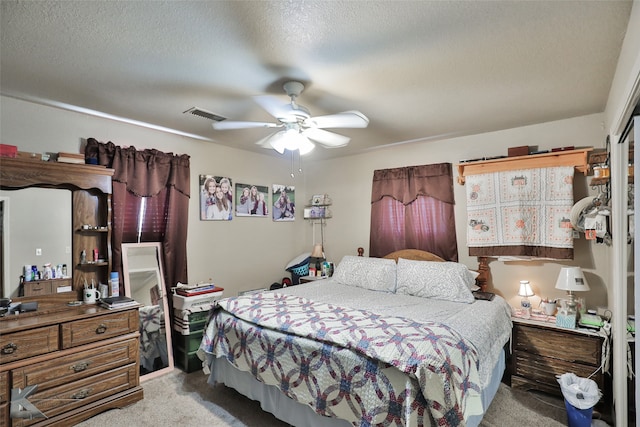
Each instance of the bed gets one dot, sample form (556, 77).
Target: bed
(385, 341)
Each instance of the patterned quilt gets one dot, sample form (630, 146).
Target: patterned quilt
(348, 363)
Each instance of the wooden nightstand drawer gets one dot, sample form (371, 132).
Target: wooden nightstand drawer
(77, 394)
(20, 345)
(561, 345)
(99, 328)
(76, 366)
(544, 370)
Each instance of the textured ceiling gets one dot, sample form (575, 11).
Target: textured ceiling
(420, 70)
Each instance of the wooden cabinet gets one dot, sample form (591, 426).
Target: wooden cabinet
(543, 351)
(47, 287)
(91, 189)
(83, 360)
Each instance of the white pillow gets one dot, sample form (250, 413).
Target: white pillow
(448, 281)
(377, 274)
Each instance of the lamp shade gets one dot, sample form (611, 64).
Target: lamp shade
(572, 279)
(317, 251)
(525, 289)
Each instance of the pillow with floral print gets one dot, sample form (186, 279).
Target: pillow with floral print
(448, 281)
(377, 274)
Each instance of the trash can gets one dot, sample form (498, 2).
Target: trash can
(580, 396)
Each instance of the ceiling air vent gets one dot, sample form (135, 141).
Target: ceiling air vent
(204, 113)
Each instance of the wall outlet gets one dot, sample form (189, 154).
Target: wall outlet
(38, 251)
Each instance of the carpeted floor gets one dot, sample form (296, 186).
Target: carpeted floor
(187, 400)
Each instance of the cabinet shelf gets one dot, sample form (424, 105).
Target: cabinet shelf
(576, 158)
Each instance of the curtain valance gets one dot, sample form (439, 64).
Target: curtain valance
(144, 172)
(405, 184)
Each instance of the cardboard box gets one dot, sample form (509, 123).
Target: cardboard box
(522, 150)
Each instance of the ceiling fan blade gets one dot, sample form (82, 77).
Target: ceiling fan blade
(273, 105)
(346, 119)
(270, 140)
(227, 125)
(329, 139)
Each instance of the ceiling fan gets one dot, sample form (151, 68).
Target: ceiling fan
(298, 127)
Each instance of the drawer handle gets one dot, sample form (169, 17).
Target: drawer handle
(79, 367)
(81, 394)
(9, 348)
(101, 329)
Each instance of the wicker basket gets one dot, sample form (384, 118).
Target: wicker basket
(299, 271)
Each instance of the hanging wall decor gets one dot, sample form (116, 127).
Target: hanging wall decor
(252, 200)
(216, 198)
(284, 202)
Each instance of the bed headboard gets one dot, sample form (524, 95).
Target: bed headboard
(418, 255)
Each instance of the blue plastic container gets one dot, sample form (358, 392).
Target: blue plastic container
(578, 417)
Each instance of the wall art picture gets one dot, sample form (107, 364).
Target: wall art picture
(284, 202)
(216, 198)
(252, 200)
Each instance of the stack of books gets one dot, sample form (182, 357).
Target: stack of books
(70, 158)
(118, 302)
(199, 289)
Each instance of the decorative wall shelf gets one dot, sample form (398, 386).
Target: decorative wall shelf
(577, 158)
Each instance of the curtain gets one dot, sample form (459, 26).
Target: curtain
(413, 208)
(161, 178)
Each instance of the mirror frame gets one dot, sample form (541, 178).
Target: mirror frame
(126, 247)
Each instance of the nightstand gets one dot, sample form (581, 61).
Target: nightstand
(542, 350)
(307, 279)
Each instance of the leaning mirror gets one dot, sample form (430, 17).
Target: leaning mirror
(144, 282)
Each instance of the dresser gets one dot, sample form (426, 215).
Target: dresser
(83, 359)
(541, 351)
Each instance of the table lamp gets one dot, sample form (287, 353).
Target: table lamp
(525, 292)
(570, 279)
(316, 260)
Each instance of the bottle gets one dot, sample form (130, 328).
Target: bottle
(115, 284)
(318, 268)
(597, 171)
(64, 270)
(83, 257)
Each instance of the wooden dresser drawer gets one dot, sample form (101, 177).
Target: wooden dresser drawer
(76, 366)
(99, 328)
(4, 414)
(4, 387)
(551, 343)
(20, 345)
(77, 394)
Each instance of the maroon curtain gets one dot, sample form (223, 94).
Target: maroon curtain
(162, 178)
(413, 208)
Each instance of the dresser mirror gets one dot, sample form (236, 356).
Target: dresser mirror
(144, 282)
(36, 229)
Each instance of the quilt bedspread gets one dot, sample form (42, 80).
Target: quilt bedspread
(348, 363)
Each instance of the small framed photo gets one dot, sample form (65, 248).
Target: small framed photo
(315, 212)
(317, 199)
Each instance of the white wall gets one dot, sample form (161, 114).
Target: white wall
(348, 182)
(247, 253)
(242, 254)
